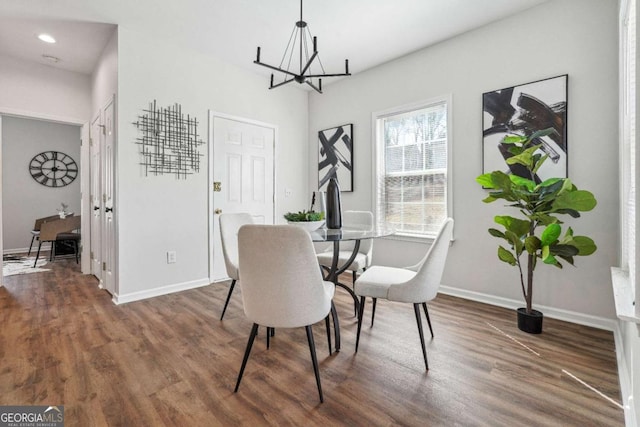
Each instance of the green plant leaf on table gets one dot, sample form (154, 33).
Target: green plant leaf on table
(304, 216)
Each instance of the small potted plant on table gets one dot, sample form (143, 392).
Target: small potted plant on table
(309, 220)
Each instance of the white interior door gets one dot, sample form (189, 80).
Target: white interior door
(243, 158)
(108, 231)
(96, 209)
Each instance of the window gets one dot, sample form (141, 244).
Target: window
(411, 186)
(628, 158)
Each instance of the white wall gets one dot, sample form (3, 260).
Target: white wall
(577, 37)
(28, 88)
(161, 213)
(23, 198)
(104, 79)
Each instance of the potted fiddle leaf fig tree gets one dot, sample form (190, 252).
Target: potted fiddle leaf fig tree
(535, 233)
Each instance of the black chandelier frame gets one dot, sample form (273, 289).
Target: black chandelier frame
(301, 36)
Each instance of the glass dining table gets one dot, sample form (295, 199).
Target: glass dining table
(335, 236)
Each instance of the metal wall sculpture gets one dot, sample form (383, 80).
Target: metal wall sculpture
(168, 141)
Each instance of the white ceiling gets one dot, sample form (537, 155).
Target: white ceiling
(367, 32)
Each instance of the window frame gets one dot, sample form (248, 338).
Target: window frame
(379, 153)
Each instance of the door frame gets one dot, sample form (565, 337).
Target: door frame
(210, 207)
(83, 124)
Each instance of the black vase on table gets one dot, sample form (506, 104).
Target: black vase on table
(334, 209)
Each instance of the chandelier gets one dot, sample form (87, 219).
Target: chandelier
(301, 42)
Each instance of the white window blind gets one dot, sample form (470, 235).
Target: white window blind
(411, 181)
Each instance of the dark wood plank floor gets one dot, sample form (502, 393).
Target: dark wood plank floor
(170, 361)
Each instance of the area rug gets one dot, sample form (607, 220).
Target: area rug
(12, 265)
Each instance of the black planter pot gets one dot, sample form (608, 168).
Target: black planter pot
(530, 323)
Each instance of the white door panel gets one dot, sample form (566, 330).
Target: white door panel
(243, 163)
(96, 142)
(108, 181)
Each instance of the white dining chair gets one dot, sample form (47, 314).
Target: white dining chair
(362, 261)
(282, 286)
(229, 225)
(417, 284)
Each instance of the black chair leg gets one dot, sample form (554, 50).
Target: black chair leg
(32, 239)
(38, 254)
(268, 336)
(336, 325)
(326, 321)
(233, 283)
(314, 359)
(362, 300)
(75, 245)
(354, 277)
(373, 313)
(416, 309)
(252, 336)
(426, 313)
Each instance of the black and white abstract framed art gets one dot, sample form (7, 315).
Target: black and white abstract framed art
(522, 110)
(335, 157)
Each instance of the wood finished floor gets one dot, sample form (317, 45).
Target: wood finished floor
(170, 361)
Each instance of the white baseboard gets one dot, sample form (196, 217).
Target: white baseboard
(155, 292)
(45, 248)
(551, 312)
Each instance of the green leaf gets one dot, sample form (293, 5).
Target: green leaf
(570, 212)
(585, 245)
(515, 241)
(579, 200)
(518, 226)
(514, 139)
(569, 259)
(506, 256)
(489, 199)
(550, 234)
(496, 233)
(549, 182)
(524, 182)
(547, 256)
(532, 243)
(501, 181)
(525, 158)
(485, 180)
(564, 250)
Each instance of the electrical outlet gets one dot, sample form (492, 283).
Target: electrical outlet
(288, 192)
(171, 257)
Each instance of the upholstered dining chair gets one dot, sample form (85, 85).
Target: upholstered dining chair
(352, 219)
(282, 286)
(417, 284)
(59, 230)
(229, 225)
(35, 232)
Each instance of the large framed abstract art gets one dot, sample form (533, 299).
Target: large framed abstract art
(522, 110)
(335, 157)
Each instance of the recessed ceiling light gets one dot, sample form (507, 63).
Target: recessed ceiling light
(46, 38)
(51, 58)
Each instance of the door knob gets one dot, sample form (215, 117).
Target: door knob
(108, 209)
(95, 208)
(218, 211)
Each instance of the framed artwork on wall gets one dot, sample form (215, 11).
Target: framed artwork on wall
(522, 110)
(335, 157)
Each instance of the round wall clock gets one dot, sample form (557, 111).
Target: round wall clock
(53, 169)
